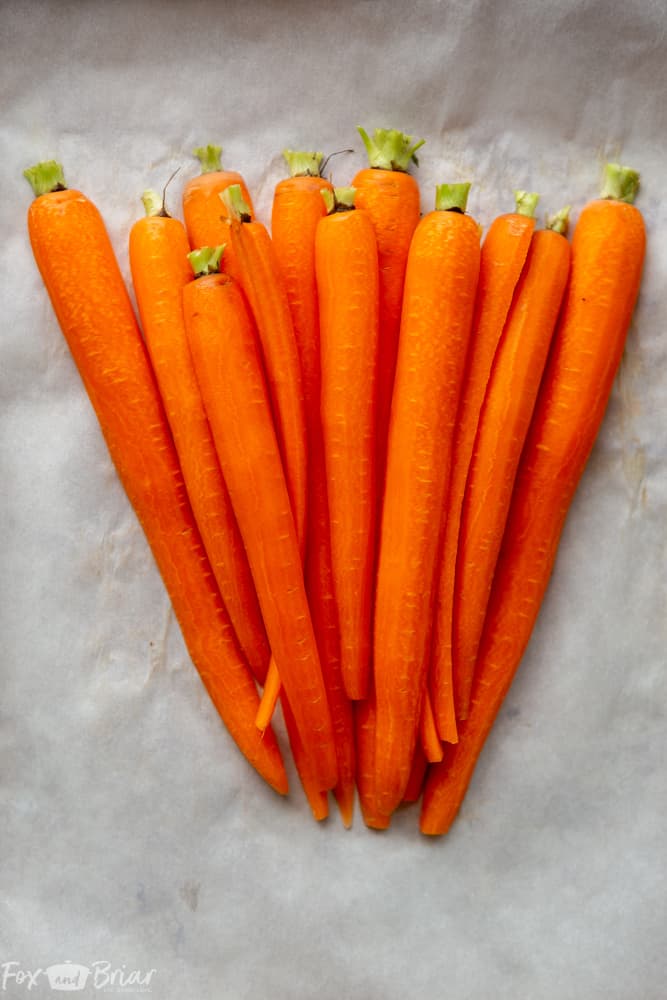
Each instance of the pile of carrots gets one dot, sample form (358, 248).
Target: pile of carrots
(351, 444)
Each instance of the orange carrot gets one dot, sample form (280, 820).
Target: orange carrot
(204, 214)
(391, 197)
(503, 256)
(76, 260)
(297, 210)
(501, 432)
(347, 284)
(607, 258)
(364, 726)
(227, 360)
(160, 270)
(413, 789)
(428, 734)
(439, 298)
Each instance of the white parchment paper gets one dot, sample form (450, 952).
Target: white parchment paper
(132, 831)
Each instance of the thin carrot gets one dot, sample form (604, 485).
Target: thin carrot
(503, 256)
(228, 363)
(415, 784)
(440, 285)
(160, 270)
(347, 283)
(503, 424)
(391, 197)
(364, 727)
(297, 210)
(76, 260)
(428, 734)
(203, 212)
(607, 258)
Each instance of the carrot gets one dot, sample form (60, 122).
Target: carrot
(413, 789)
(229, 370)
(347, 283)
(391, 197)
(428, 734)
(607, 258)
(297, 210)
(439, 298)
(160, 270)
(364, 725)
(501, 432)
(205, 216)
(76, 261)
(503, 256)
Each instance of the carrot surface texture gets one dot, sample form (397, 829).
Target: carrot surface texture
(390, 195)
(503, 424)
(77, 263)
(228, 362)
(205, 217)
(503, 256)
(158, 259)
(607, 258)
(347, 284)
(297, 209)
(439, 298)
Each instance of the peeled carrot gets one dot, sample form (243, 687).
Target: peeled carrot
(160, 270)
(364, 725)
(228, 363)
(428, 734)
(415, 784)
(347, 284)
(439, 298)
(503, 256)
(391, 197)
(503, 424)
(607, 258)
(77, 264)
(297, 209)
(204, 214)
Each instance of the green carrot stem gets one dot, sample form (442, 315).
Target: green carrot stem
(341, 199)
(206, 260)
(451, 197)
(233, 200)
(390, 149)
(303, 164)
(526, 202)
(560, 221)
(45, 177)
(153, 203)
(209, 157)
(620, 183)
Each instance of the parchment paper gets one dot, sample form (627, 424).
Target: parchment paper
(133, 833)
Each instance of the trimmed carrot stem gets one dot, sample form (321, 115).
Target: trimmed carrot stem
(158, 250)
(502, 259)
(76, 260)
(607, 258)
(440, 285)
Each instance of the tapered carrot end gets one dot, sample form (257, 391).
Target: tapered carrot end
(374, 821)
(319, 805)
(269, 698)
(209, 158)
(45, 177)
(344, 796)
(620, 183)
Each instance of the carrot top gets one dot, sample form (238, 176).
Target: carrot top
(303, 164)
(45, 177)
(154, 204)
(390, 149)
(209, 157)
(451, 197)
(236, 205)
(526, 203)
(206, 260)
(560, 222)
(341, 199)
(620, 183)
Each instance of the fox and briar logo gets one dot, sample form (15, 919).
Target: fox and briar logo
(68, 977)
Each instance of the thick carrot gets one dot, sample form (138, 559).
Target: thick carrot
(297, 210)
(160, 270)
(76, 260)
(439, 298)
(203, 212)
(391, 197)
(503, 256)
(347, 284)
(228, 363)
(607, 258)
(503, 424)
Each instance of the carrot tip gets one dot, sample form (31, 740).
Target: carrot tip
(345, 801)
(45, 177)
